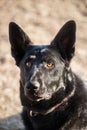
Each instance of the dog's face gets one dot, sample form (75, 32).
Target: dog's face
(44, 69)
(41, 73)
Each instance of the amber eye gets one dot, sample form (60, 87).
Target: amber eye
(49, 64)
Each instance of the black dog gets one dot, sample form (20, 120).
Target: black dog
(53, 97)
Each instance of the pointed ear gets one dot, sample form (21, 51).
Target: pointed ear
(65, 40)
(19, 41)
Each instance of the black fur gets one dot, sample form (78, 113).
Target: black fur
(53, 97)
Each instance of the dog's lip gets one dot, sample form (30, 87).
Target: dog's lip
(35, 98)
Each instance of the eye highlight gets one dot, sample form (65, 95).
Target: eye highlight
(28, 64)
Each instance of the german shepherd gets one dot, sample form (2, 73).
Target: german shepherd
(53, 97)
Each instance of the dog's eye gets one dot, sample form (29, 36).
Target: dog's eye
(48, 65)
(28, 64)
(30, 60)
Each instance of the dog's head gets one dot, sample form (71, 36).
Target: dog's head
(45, 72)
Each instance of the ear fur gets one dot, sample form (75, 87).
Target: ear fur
(19, 41)
(65, 40)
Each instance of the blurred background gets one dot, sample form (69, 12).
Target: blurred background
(41, 20)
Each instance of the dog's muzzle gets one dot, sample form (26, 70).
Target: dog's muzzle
(33, 91)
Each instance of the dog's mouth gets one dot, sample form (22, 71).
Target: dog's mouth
(37, 96)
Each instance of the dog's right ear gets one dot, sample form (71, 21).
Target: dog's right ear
(19, 41)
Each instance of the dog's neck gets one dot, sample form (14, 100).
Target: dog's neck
(64, 101)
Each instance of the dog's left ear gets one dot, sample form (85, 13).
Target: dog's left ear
(19, 41)
(65, 40)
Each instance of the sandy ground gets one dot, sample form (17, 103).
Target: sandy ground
(41, 20)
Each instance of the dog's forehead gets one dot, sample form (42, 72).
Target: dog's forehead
(40, 51)
(33, 50)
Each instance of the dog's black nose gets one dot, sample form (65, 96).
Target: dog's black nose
(32, 85)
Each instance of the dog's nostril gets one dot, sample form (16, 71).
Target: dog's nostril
(33, 86)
